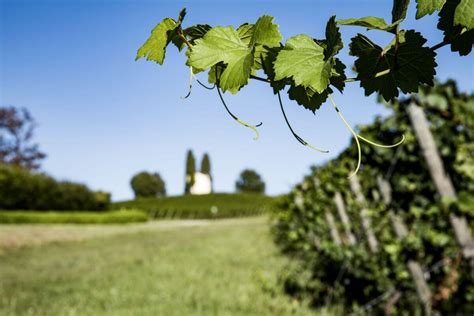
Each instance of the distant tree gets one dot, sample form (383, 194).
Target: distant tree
(250, 181)
(206, 164)
(190, 171)
(145, 184)
(16, 132)
(206, 168)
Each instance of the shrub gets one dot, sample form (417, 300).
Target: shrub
(22, 189)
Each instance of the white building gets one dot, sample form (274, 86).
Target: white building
(202, 184)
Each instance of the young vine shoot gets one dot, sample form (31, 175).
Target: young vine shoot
(308, 68)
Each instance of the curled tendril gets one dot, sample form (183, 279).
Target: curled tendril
(205, 86)
(357, 137)
(359, 153)
(382, 145)
(298, 138)
(191, 77)
(252, 127)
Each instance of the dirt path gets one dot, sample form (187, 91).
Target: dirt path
(13, 236)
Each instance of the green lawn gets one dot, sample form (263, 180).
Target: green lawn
(225, 267)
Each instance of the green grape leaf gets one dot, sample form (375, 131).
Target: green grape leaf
(265, 32)
(401, 38)
(427, 7)
(267, 62)
(338, 77)
(155, 46)
(196, 32)
(245, 32)
(464, 14)
(181, 16)
(333, 38)
(303, 60)
(399, 10)
(262, 35)
(213, 71)
(235, 48)
(173, 35)
(178, 42)
(371, 23)
(223, 44)
(191, 33)
(461, 40)
(313, 100)
(404, 68)
(265, 35)
(307, 97)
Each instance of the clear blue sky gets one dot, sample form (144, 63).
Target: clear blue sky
(103, 117)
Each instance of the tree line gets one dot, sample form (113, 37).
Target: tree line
(151, 184)
(24, 186)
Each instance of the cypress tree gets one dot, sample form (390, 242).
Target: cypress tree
(206, 164)
(206, 167)
(190, 170)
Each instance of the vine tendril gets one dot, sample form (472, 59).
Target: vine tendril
(382, 145)
(252, 127)
(354, 134)
(298, 138)
(205, 86)
(357, 137)
(191, 77)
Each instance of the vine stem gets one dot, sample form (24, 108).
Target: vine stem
(441, 44)
(260, 78)
(185, 40)
(379, 74)
(252, 127)
(191, 77)
(298, 138)
(205, 86)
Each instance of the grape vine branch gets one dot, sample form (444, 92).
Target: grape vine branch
(307, 68)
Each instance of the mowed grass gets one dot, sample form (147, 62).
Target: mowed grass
(226, 267)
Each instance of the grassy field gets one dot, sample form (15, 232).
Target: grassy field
(224, 267)
(72, 217)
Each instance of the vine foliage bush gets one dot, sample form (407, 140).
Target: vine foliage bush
(302, 232)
